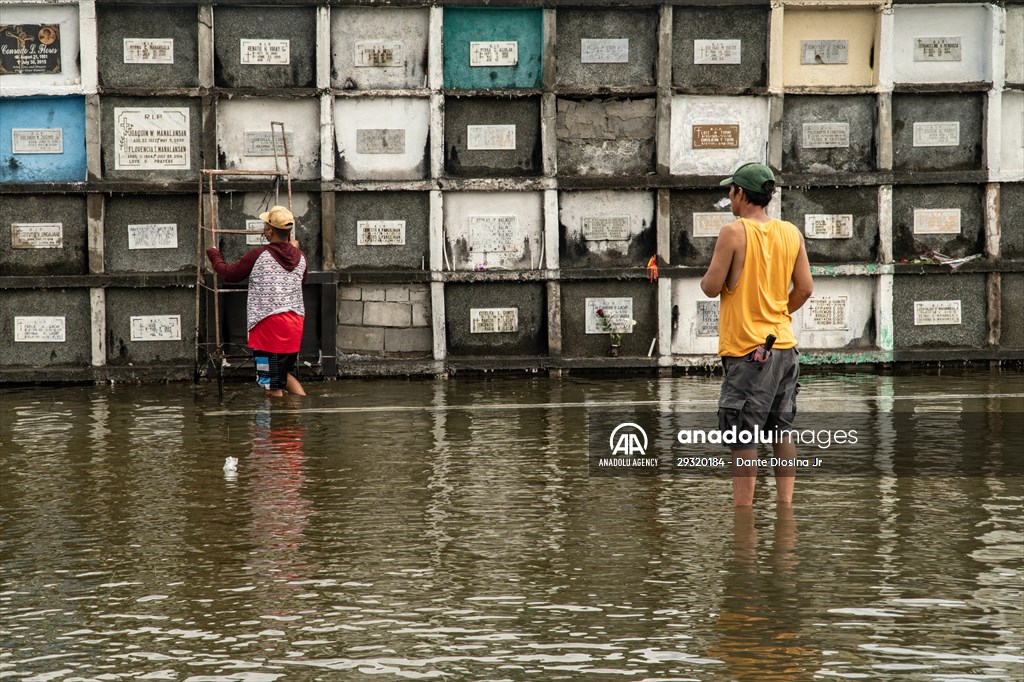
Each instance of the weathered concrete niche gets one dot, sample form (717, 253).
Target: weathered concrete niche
(606, 47)
(720, 47)
(697, 217)
(240, 211)
(382, 138)
(830, 46)
(43, 234)
(948, 219)
(40, 46)
(839, 224)
(152, 326)
(1011, 212)
(937, 132)
(493, 230)
(246, 141)
(694, 319)
(1013, 133)
(1015, 49)
(149, 233)
(584, 334)
(487, 137)
(492, 48)
(606, 229)
(42, 139)
(840, 316)
(942, 43)
(379, 48)
(947, 310)
(151, 138)
(265, 47)
(385, 320)
(382, 231)
(606, 137)
(714, 135)
(147, 46)
(1012, 303)
(833, 134)
(496, 319)
(46, 327)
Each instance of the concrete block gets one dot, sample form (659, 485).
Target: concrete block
(606, 228)
(840, 224)
(279, 48)
(829, 134)
(606, 137)
(163, 330)
(1012, 305)
(379, 48)
(840, 316)
(1013, 133)
(139, 131)
(694, 319)
(355, 339)
(420, 315)
(244, 135)
(830, 46)
(378, 314)
(935, 132)
(382, 138)
(417, 339)
(944, 218)
(940, 297)
(738, 55)
(240, 211)
(606, 47)
(350, 312)
(70, 305)
(1011, 219)
(1015, 49)
(502, 230)
(372, 293)
(349, 293)
(505, 139)
(492, 66)
(576, 342)
(393, 228)
(149, 233)
(530, 302)
(55, 125)
(695, 223)
(162, 51)
(62, 64)
(714, 135)
(419, 293)
(396, 293)
(942, 44)
(51, 228)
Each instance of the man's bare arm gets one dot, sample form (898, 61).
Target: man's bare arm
(803, 284)
(725, 248)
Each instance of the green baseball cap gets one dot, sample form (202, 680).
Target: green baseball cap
(750, 176)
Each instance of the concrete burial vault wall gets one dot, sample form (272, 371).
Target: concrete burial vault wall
(473, 183)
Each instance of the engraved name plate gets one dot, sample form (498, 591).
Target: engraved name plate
(379, 53)
(707, 318)
(618, 313)
(716, 136)
(492, 233)
(936, 312)
(151, 138)
(828, 225)
(494, 53)
(39, 329)
(491, 137)
(937, 134)
(493, 320)
(938, 49)
(265, 51)
(826, 314)
(261, 142)
(37, 140)
(604, 50)
(824, 51)
(155, 327)
(153, 236)
(826, 135)
(380, 140)
(717, 52)
(936, 221)
(149, 50)
(380, 232)
(710, 224)
(30, 48)
(606, 228)
(37, 235)
(255, 236)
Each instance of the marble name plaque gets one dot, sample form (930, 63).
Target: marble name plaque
(40, 329)
(606, 228)
(716, 136)
(37, 235)
(717, 51)
(826, 313)
(153, 236)
(604, 50)
(493, 233)
(262, 142)
(824, 51)
(937, 134)
(936, 313)
(149, 50)
(491, 137)
(380, 233)
(494, 53)
(616, 315)
(936, 221)
(379, 54)
(493, 320)
(828, 225)
(710, 224)
(265, 51)
(380, 140)
(37, 140)
(939, 49)
(255, 236)
(826, 135)
(707, 319)
(155, 327)
(151, 138)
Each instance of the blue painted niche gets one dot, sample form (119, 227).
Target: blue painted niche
(66, 113)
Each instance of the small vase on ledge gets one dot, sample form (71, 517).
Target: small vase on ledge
(614, 352)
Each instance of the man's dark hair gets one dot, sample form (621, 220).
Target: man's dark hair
(283, 235)
(759, 198)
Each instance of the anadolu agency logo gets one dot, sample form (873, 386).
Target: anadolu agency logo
(625, 452)
(625, 440)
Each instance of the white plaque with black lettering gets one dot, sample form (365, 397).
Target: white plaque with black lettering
(604, 50)
(606, 228)
(828, 225)
(156, 327)
(262, 142)
(824, 51)
(494, 53)
(937, 134)
(149, 50)
(717, 52)
(153, 236)
(826, 135)
(707, 318)
(936, 312)
(939, 49)
(380, 140)
(379, 53)
(255, 236)
(496, 137)
(826, 314)
(380, 232)
(493, 320)
(265, 51)
(936, 221)
(37, 235)
(615, 316)
(39, 329)
(37, 140)
(493, 233)
(710, 224)
(151, 138)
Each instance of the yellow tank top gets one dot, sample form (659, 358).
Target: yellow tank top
(757, 305)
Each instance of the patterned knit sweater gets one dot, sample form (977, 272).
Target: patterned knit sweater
(276, 273)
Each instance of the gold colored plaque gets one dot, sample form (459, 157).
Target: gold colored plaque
(716, 136)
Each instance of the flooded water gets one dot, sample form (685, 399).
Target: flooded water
(449, 529)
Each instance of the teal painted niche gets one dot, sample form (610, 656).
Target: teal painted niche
(463, 26)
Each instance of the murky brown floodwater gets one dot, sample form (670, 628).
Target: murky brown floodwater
(420, 529)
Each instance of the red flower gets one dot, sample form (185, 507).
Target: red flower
(600, 311)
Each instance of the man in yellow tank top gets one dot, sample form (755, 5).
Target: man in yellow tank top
(756, 259)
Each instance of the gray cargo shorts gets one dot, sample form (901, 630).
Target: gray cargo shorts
(759, 394)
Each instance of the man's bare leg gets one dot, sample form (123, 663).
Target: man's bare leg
(293, 386)
(744, 478)
(785, 477)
